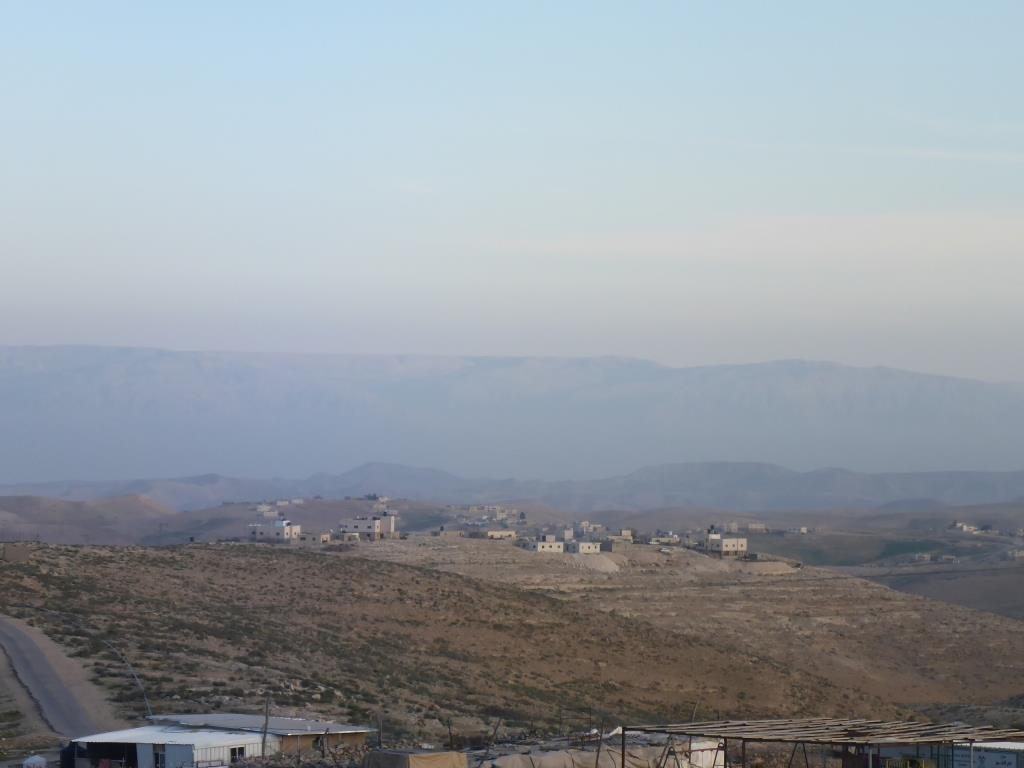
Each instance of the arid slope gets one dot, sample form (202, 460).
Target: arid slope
(353, 637)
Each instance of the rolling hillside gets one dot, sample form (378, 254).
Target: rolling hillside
(116, 520)
(421, 631)
(223, 627)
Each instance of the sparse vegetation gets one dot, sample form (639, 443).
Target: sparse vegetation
(489, 631)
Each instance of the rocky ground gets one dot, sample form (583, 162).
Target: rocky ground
(426, 631)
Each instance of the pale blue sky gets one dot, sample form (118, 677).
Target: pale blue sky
(689, 182)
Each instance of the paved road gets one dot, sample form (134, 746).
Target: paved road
(53, 681)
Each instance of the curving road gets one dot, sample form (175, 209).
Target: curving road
(68, 702)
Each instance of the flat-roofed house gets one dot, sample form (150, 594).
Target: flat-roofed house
(206, 741)
(718, 544)
(583, 547)
(502, 534)
(372, 527)
(547, 546)
(166, 746)
(306, 539)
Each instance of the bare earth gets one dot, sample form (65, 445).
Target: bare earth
(423, 630)
(858, 635)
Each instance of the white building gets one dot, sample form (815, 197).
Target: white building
(280, 530)
(492, 511)
(583, 547)
(717, 544)
(389, 526)
(557, 547)
(502, 534)
(670, 539)
(312, 539)
(624, 534)
(171, 746)
(209, 740)
(371, 527)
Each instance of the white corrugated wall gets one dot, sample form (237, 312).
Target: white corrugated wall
(179, 756)
(221, 755)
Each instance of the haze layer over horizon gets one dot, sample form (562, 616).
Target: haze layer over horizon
(692, 184)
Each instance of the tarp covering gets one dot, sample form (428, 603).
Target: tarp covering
(704, 755)
(394, 758)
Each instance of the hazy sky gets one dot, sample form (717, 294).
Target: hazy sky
(689, 182)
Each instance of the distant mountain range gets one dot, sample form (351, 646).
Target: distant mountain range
(95, 412)
(739, 487)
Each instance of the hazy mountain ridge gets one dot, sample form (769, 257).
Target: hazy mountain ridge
(84, 412)
(738, 487)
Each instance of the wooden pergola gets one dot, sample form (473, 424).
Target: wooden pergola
(855, 735)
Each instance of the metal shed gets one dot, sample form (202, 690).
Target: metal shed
(168, 746)
(859, 741)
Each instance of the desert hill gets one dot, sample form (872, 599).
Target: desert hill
(866, 640)
(423, 630)
(354, 638)
(115, 520)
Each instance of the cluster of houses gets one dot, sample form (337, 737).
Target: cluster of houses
(985, 528)
(498, 523)
(588, 538)
(274, 526)
(486, 516)
(583, 538)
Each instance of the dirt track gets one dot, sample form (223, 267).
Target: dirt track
(69, 703)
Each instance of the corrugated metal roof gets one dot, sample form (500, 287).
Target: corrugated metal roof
(172, 734)
(1007, 746)
(281, 726)
(828, 730)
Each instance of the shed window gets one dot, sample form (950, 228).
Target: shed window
(237, 753)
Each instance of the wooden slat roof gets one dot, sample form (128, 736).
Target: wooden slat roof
(824, 730)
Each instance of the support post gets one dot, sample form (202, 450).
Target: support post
(623, 763)
(266, 727)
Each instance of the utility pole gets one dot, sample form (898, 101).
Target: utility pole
(131, 669)
(266, 727)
